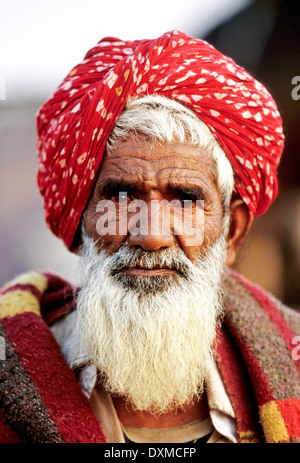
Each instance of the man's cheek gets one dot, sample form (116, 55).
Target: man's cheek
(90, 218)
(111, 219)
(106, 221)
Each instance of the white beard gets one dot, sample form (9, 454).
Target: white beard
(151, 338)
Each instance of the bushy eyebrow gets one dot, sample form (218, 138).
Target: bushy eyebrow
(109, 186)
(193, 192)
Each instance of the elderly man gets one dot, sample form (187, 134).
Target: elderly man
(155, 156)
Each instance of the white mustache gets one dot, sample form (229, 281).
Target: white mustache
(128, 257)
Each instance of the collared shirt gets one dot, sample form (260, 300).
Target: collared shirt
(220, 425)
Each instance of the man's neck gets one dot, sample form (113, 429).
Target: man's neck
(129, 416)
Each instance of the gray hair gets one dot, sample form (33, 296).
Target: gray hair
(160, 119)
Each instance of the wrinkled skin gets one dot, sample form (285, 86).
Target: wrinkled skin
(163, 172)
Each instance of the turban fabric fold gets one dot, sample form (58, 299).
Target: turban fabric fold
(74, 124)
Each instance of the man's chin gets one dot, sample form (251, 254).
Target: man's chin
(151, 335)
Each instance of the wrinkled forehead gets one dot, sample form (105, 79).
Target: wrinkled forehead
(156, 165)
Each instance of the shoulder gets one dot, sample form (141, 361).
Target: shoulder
(43, 293)
(250, 300)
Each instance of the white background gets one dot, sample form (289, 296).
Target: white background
(41, 40)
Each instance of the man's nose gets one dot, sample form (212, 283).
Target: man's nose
(151, 228)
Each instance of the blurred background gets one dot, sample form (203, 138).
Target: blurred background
(40, 41)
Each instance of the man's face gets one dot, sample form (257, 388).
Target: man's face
(176, 173)
(149, 302)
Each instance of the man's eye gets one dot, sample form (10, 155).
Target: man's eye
(183, 203)
(120, 197)
(187, 202)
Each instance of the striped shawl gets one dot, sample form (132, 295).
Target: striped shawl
(41, 400)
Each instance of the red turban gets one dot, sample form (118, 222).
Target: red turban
(74, 125)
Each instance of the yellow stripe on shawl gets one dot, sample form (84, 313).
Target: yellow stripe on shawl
(29, 278)
(273, 424)
(20, 300)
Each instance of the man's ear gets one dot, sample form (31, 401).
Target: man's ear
(241, 219)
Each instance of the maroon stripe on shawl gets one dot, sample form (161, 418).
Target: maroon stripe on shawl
(21, 405)
(54, 380)
(58, 299)
(7, 435)
(23, 287)
(237, 383)
(269, 306)
(261, 385)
